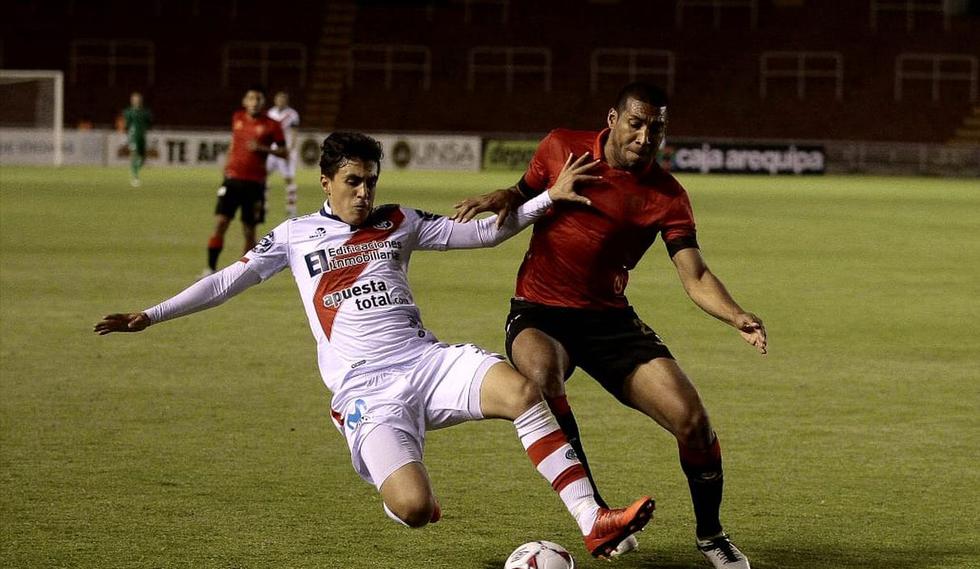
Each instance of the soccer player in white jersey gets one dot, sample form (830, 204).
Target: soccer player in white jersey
(288, 118)
(391, 379)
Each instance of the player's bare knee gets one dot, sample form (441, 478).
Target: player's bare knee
(546, 379)
(695, 430)
(415, 513)
(525, 395)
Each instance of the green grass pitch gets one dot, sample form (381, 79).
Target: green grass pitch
(205, 442)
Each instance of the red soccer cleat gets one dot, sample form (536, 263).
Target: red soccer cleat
(613, 526)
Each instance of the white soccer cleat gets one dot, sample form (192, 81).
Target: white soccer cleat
(135, 182)
(721, 553)
(628, 545)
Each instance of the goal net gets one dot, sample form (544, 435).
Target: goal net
(33, 110)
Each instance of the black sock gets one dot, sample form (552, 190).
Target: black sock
(566, 420)
(213, 253)
(215, 244)
(706, 480)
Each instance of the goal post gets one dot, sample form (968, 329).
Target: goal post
(35, 100)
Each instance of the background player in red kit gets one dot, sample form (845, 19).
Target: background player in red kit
(570, 308)
(253, 135)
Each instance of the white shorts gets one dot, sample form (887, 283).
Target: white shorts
(285, 166)
(440, 390)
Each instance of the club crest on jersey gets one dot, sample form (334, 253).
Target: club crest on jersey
(383, 225)
(265, 244)
(427, 215)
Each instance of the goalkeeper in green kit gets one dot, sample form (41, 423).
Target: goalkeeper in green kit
(138, 119)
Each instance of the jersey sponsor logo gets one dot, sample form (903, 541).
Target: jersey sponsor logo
(265, 244)
(342, 273)
(358, 415)
(371, 294)
(346, 256)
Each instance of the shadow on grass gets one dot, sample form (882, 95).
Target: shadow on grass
(777, 557)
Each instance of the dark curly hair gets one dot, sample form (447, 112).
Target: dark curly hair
(340, 147)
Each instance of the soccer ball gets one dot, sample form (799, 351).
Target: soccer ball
(540, 555)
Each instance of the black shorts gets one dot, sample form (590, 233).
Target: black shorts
(248, 195)
(608, 344)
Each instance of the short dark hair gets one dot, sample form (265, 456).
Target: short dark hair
(257, 88)
(342, 146)
(643, 92)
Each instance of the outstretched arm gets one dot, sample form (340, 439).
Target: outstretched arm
(205, 293)
(708, 292)
(493, 230)
(501, 202)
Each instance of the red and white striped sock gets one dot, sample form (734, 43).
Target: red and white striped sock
(554, 458)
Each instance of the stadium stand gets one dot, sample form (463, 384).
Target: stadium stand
(761, 69)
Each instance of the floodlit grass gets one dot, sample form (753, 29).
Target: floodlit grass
(205, 442)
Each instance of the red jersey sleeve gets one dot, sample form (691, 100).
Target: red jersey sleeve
(678, 229)
(538, 175)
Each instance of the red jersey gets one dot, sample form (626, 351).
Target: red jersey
(580, 256)
(245, 164)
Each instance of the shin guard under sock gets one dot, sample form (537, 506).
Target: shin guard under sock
(706, 480)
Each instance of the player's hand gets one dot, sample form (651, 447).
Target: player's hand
(574, 171)
(752, 330)
(501, 202)
(132, 322)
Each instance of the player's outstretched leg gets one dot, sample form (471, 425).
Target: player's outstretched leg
(507, 394)
(394, 460)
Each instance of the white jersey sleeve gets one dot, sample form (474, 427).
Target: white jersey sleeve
(485, 233)
(271, 254)
(205, 293)
(439, 233)
(432, 230)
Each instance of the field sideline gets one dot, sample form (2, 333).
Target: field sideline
(205, 442)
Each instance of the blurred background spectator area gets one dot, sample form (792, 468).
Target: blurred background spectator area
(876, 70)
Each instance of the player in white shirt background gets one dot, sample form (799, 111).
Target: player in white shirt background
(288, 118)
(391, 379)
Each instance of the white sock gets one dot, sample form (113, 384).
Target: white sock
(549, 451)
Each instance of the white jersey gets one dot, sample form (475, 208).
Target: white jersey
(288, 118)
(354, 285)
(353, 281)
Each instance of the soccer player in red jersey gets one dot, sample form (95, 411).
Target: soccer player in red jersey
(570, 307)
(254, 136)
